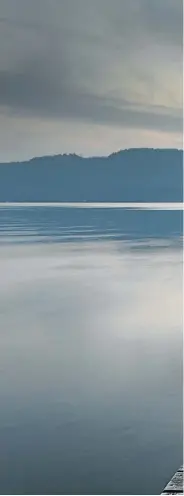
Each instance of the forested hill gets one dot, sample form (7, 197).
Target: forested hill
(131, 175)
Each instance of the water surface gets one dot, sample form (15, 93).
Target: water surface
(90, 349)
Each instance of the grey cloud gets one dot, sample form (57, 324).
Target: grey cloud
(165, 20)
(32, 92)
(58, 57)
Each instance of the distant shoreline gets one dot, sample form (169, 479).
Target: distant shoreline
(96, 205)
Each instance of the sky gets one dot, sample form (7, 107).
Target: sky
(89, 76)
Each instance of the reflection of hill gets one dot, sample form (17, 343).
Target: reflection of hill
(130, 175)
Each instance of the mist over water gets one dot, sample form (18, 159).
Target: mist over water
(90, 350)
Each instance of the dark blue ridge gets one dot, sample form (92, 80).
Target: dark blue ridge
(135, 175)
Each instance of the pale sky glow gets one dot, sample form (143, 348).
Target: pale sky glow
(89, 77)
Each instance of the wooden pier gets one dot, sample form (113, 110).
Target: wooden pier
(175, 486)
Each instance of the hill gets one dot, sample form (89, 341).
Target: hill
(131, 175)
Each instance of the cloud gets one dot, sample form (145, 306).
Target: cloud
(33, 90)
(165, 19)
(104, 62)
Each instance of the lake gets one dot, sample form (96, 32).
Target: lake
(90, 348)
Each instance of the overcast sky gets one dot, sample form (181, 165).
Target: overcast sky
(89, 76)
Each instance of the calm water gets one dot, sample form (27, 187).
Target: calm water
(90, 350)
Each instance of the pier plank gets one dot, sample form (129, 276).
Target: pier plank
(175, 486)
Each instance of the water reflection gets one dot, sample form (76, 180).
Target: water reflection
(91, 360)
(44, 224)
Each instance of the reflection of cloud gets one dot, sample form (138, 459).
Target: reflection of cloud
(92, 322)
(90, 362)
(141, 289)
(157, 302)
